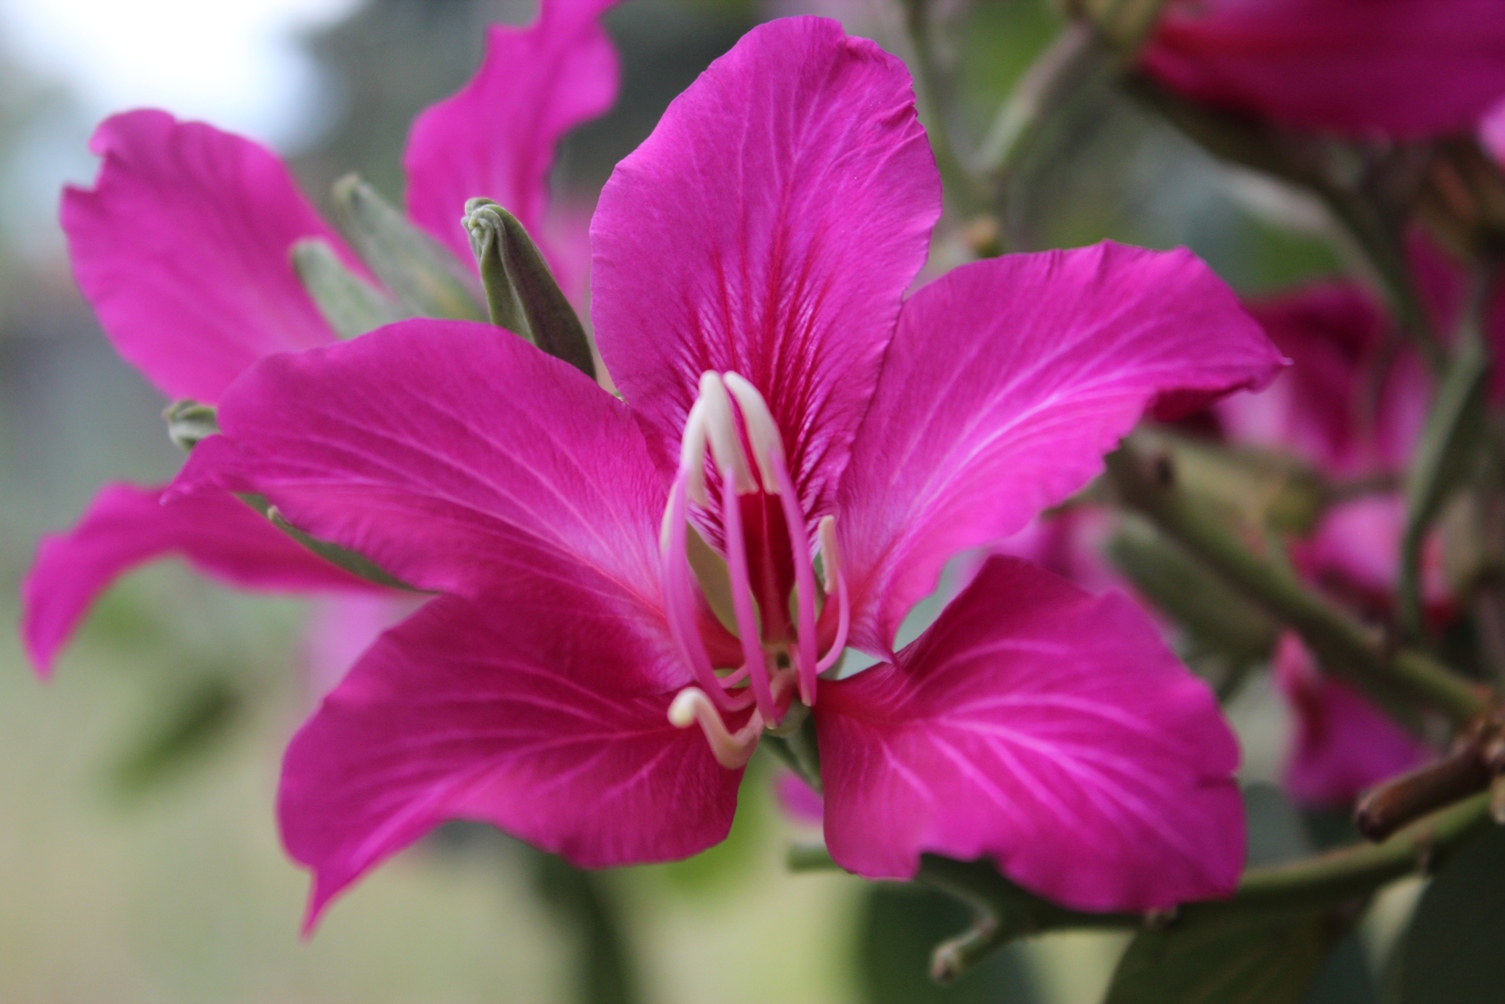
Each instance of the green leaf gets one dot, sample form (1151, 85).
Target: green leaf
(1453, 951)
(425, 277)
(350, 304)
(899, 926)
(1260, 960)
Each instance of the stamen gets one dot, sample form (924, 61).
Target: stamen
(762, 430)
(804, 578)
(679, 592)
(692, 454)
(731, 750)
(721, 429)
(835, 581)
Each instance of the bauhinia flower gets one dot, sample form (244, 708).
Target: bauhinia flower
(184, 247)
(635, 591)
(1407, 69)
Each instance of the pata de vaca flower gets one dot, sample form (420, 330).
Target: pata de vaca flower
(184, 248)
(634, 590)
(1401, 68)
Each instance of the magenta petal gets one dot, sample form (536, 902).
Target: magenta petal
(524, 709)
(1343, 743)
(126, 526)
(1044, 728)
(1406, 68)
(769, 226)
(451, 454)
(182, 246)
(1006, 383)
(496, 137)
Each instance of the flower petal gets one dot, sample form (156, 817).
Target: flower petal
(769, 226)
(452, 455)
(182, 246)
(126, 526)
(1043, 728)
(496, 136)
(519, 710)
(1343, 743)
(1006, 383)
(1407, 68)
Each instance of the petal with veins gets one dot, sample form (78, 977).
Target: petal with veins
(1006, 383)
(126, 526)
(452, 455)
(1044, 728)
(182, 246)
(768, 227)
(525, 708)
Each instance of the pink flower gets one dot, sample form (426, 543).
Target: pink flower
(632, 590)
(183, 248)
(1402, 68)
(1343, 743)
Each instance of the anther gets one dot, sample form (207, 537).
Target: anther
(692, 454)
(762, 430)
(720, 428)
(731, 749)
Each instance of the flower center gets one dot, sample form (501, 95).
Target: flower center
(732, 465)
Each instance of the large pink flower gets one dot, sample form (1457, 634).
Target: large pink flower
(1402, 68)
(183, 247)
(800, 451)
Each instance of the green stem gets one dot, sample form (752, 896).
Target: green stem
(1395, 678)
(798, 750)
(1006, 912)
(1381, 245)
(1457, 427)
(582, 900)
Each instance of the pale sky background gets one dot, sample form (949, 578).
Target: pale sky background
(235, 63)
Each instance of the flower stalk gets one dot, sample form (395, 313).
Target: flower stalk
(1395, 677)
(1006, 912)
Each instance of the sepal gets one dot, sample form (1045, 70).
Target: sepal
(426, 278)
(189, 422)
(350, 304)
(521, 293)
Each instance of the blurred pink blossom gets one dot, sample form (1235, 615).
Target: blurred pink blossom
(1407, 69)
(183, 248)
